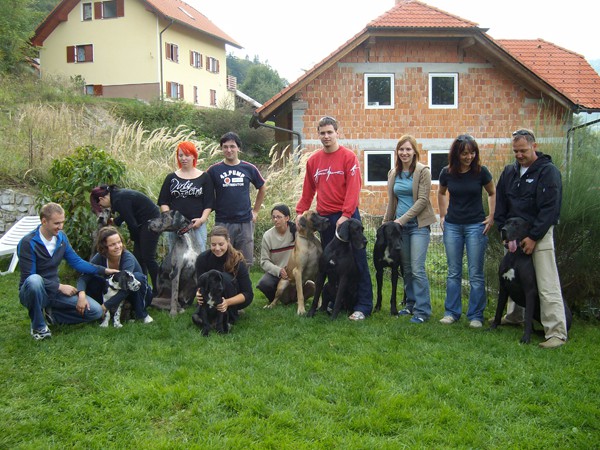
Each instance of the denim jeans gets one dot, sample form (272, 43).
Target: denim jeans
(34, 297)
(415, 242)
(456, 237)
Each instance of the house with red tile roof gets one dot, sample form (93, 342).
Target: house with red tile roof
(146, 49)
(419, 70)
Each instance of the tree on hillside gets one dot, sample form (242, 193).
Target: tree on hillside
(256, 79)
(262, 83)
(16, 18)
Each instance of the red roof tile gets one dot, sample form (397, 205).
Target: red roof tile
(173, 9)
(566, 71)
(414, 14)
(184, 13)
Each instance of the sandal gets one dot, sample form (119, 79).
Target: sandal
(356, 315)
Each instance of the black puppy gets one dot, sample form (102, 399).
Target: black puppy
(517, 278)
(337, 264)
(386, 253)
(214, 286)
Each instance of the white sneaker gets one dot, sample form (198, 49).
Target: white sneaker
(447, 320)
(148, 319)
(475, 324)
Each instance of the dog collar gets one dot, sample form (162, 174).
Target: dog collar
(338, 236)
(185, 229)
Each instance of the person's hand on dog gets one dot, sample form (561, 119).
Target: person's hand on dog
(528, 245)
(283, 274)
(108, 272)
(199, 298)
(340, 221)
(222, 307)
(197, 222)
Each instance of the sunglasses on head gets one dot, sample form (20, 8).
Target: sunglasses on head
(523, 132)
(465, 138)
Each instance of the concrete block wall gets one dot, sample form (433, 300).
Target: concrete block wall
(13, 206)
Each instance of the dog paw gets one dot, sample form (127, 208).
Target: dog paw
(268, 306)
(173, 312)
(104, 325)
(525, 340)
(118, 325)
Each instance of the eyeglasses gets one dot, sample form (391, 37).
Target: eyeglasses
(523, 132)
(277, 217)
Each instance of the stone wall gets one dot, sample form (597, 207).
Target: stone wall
(13, 206)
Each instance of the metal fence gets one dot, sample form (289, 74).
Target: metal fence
(435, 266)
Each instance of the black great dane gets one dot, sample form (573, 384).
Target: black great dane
(338, 266)
(517, 278)
(387, 253)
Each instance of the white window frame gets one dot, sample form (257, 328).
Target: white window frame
(443, 75)
(196, 59)
(366, 155)
(91, 11)
(435, 177)
(366, 90)
(212, 65)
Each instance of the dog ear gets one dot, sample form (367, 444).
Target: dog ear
(302, 222)
(380, 240)
(344, 230)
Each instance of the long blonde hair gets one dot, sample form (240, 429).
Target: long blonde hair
(413, 164)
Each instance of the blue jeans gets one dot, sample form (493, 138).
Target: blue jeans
(456, 237)
(34, 297)
(415, 242)
(364, 296)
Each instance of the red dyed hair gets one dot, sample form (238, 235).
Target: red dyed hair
(189, 149)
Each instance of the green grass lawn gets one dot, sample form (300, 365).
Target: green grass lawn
(283, 382)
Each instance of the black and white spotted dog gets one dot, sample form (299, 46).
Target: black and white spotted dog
(120, 281)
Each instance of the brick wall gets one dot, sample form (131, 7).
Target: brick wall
(491, 104)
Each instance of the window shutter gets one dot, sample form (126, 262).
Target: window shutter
(180, 91)
(217, 65)
(98, 10)
(207, 63)
(89, 53)
(167, 51)
(120, 8)
(98, 90)
(175, 53)
(191, 58)
(168, 89)
(70, 54)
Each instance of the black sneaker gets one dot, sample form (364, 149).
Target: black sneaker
(49, 316)
(42, 334)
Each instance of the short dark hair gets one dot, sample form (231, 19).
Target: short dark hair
(231, 136)
(327, 120)
(103, 235)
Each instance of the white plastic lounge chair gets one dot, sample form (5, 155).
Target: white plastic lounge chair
(10, 240)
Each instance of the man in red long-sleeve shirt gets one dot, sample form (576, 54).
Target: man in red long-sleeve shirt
(333, 174)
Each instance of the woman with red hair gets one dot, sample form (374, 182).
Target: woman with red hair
(189, 190)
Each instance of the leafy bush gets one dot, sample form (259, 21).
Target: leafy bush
(71, 180)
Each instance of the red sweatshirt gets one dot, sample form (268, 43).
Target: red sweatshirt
(335, 177)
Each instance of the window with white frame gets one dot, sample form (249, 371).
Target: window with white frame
(377, 165)
(379, 91)
(171, 52)
(174, 90)
(443, 90)
(436, 160)
(109, 9)
(86, 11)
(212, 64)
(195, 59)
(80, 53)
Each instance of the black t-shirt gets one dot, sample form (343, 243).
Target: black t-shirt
(189, 197)
(466, 205)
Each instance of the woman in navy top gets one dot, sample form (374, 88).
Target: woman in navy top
(465, 224)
